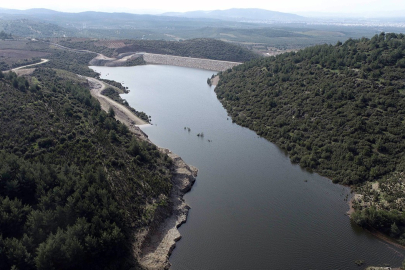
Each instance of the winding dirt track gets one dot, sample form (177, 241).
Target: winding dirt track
(21, 71)
(42, 62)
(122, 113)
(153, 247)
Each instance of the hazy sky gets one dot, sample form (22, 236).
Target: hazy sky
(359, 7)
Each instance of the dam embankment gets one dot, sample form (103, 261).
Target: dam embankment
(188, 62)
(163, 59)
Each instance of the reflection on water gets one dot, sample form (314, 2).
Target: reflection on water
(250, 207)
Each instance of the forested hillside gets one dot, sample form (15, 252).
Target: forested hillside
(338, 110)
(33, 28)
(198, 48)
(71, 61)
(4, 35)
(74, 183)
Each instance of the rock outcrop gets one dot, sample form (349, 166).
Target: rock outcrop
(158, 243)
(154, 245)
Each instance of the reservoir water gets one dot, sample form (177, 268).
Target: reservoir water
(250, 207)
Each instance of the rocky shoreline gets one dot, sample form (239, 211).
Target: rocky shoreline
(154, 246)
(158, 244)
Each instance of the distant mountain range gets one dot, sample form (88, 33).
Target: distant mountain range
(39, 23)
(275, 29)
(93, 19)
(240, 14)
(32, 11)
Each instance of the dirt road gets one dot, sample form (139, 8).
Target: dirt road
(122, 113)
(42, 61)
(21, 71)
(153, 246)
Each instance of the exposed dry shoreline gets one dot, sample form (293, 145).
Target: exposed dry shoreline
(153, 247)
(157, 245)
(122, 113)
(215, 80)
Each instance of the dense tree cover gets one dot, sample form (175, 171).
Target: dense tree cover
(5, 66)
(74, 62)
(4, 35)
(58, 218)
(33, 28)
(381, 205)
(74, 183)
(135, 61)
(338, 110)
(198, 48)
(279, 36)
